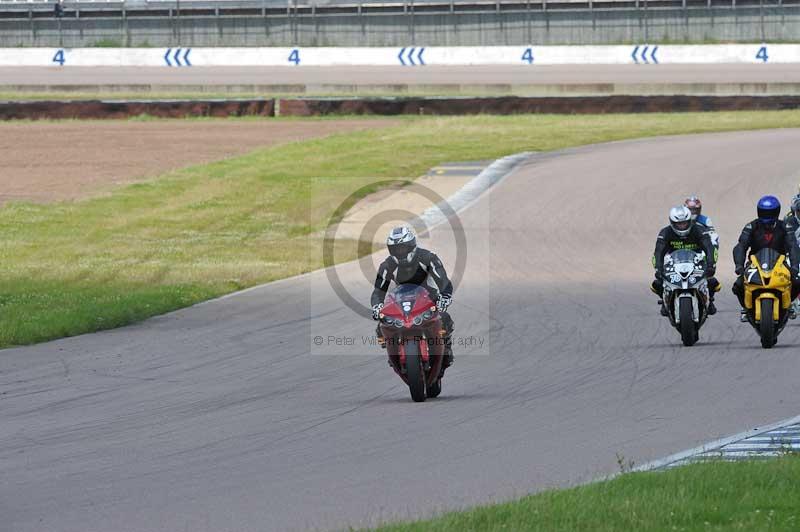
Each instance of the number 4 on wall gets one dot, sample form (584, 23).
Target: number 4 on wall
(762, 54)
(59, 57)
(527, 56)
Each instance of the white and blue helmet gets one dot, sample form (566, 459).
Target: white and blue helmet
(796, 204)
(402, 244)
(680, 219)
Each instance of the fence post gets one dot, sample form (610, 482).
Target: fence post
(266, 21)
(295, 28)
(126, 36)
(413, 27)
(316, 22)
(547, 21)
(530, 22)
(364, 41)
(33, 26)
(219, 26)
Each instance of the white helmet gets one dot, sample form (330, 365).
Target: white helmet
(796, 204)
(402, 244)
(680, 219)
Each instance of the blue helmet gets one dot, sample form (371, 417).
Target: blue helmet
(769, 209)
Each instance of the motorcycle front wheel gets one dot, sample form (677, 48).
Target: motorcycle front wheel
(767, 325)
(414, 371)
(689, 334)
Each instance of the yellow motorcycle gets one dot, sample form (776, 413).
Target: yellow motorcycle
(767, 294)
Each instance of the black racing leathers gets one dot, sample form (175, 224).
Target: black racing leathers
(698, 239)
(757, 236)
(792, 224)
(668, 241)
(425, 266)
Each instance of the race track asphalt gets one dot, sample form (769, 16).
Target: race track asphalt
(225, 416)
(433, 75)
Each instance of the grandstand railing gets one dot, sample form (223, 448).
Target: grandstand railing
(411, 5)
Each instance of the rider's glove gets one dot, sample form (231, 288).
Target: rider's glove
(739, 270)
(376, 311)
(443, 302)
(710, 271)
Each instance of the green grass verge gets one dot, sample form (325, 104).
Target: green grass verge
(750, 495)
(76, 267)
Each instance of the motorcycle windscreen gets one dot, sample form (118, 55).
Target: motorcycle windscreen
(684, 262)
(685, 256)
(408, 297)
(767, 258)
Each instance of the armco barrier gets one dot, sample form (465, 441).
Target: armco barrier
(404, 57)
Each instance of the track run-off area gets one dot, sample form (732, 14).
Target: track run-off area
(226, 416)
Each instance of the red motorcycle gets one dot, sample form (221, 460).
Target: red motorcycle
(415, 339)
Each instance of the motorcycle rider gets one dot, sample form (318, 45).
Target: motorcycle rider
(766, 231)
(792, 219)
(695, 206)
(792, 222)
(683, 233)
(409, 264)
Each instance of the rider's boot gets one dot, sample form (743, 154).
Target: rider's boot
(664, 311)
(743, 315)
(794, 308)
(447, 357)
(380, 338)
(712, 308)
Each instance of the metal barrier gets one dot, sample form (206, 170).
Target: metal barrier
(410, 6)
(231, 23)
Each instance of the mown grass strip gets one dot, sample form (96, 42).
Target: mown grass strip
(75, 267)
(750, 495)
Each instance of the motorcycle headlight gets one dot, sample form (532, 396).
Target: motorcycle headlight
(418, 320)
(398, 323)
(427, 315)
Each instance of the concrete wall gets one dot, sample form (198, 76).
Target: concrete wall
(408, 57)
(574, 26)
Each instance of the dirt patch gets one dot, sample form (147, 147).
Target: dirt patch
(96, 109)
(69, 160)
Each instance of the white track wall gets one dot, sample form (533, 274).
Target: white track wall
(416, 57)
